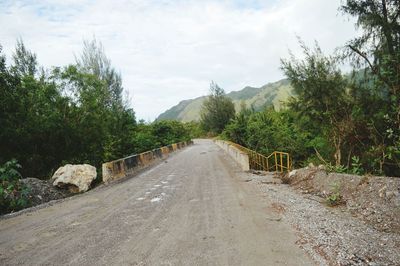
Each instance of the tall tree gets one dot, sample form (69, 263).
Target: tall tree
(378, 48)
(119, 119)
(321, 95)
(217, 110)
(379, 45)
(93, 60)
(25, 62)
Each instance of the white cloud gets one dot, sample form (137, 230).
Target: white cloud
(168, 51)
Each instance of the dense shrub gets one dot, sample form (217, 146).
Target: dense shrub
(13, 194)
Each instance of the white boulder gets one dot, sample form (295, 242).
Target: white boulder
(77, 178)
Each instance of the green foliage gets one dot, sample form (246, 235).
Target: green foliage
(236, 130)
(217, 110)
(25, 62)
(93, 60)
(71, 114)
(322, 95)
(158, 134)
(168, 132)
(13, 194)
(355, 169)
(356, 166)
(341, 121)
(334, 198)
(341, 169)
(194, 130)
(268, 131)
(349, 123)
(378, 49)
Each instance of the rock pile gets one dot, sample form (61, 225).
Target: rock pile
(42, 191)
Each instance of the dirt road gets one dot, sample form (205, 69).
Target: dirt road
(193, 209)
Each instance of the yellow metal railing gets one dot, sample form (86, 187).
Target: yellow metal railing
(277, 161)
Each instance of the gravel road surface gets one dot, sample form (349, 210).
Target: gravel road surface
(195, 208)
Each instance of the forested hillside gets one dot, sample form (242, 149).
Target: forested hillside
(272, 94)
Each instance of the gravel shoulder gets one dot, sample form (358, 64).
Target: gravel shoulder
(330, 235)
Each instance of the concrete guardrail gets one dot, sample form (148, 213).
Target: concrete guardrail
(239, 156)
(130, 165)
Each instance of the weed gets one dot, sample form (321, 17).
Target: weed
(334, 198)
(336, 168)
(356, 166)
(13, 193)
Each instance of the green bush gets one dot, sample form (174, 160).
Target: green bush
(356, 166)
(341, 169)
(334, 198)
(13, 194)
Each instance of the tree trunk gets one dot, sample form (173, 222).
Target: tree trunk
(338, 152)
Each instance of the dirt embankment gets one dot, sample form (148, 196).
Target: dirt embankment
(361, 230)
(373, 199)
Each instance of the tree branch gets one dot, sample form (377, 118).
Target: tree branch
(363, 55)
(319, 156)
(374, 69)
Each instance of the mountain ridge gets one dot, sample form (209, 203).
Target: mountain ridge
(270, 94)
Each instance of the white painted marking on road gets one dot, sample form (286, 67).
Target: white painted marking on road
(156, 199)
(169, 177)
(140, 198)
(147, 192)
(164, 182)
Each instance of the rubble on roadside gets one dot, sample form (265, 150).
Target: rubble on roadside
(364, 230)
(42, 191)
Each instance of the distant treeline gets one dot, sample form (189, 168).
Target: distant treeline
(72, 114)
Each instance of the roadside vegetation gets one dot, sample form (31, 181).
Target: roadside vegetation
(71, 114)
(79, 113)
(13, 193)
(217, 110)
(349, 122)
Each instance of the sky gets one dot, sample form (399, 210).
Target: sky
(168, 51)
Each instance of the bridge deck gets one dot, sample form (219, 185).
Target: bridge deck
(193, 209)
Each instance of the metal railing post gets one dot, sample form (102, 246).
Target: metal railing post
(258, 161)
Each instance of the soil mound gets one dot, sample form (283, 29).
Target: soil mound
(374, 199)
(42, 191)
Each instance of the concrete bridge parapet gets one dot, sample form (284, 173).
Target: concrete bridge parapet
(239, 156)
(130, 165)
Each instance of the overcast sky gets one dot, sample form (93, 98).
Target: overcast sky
(168, 51)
